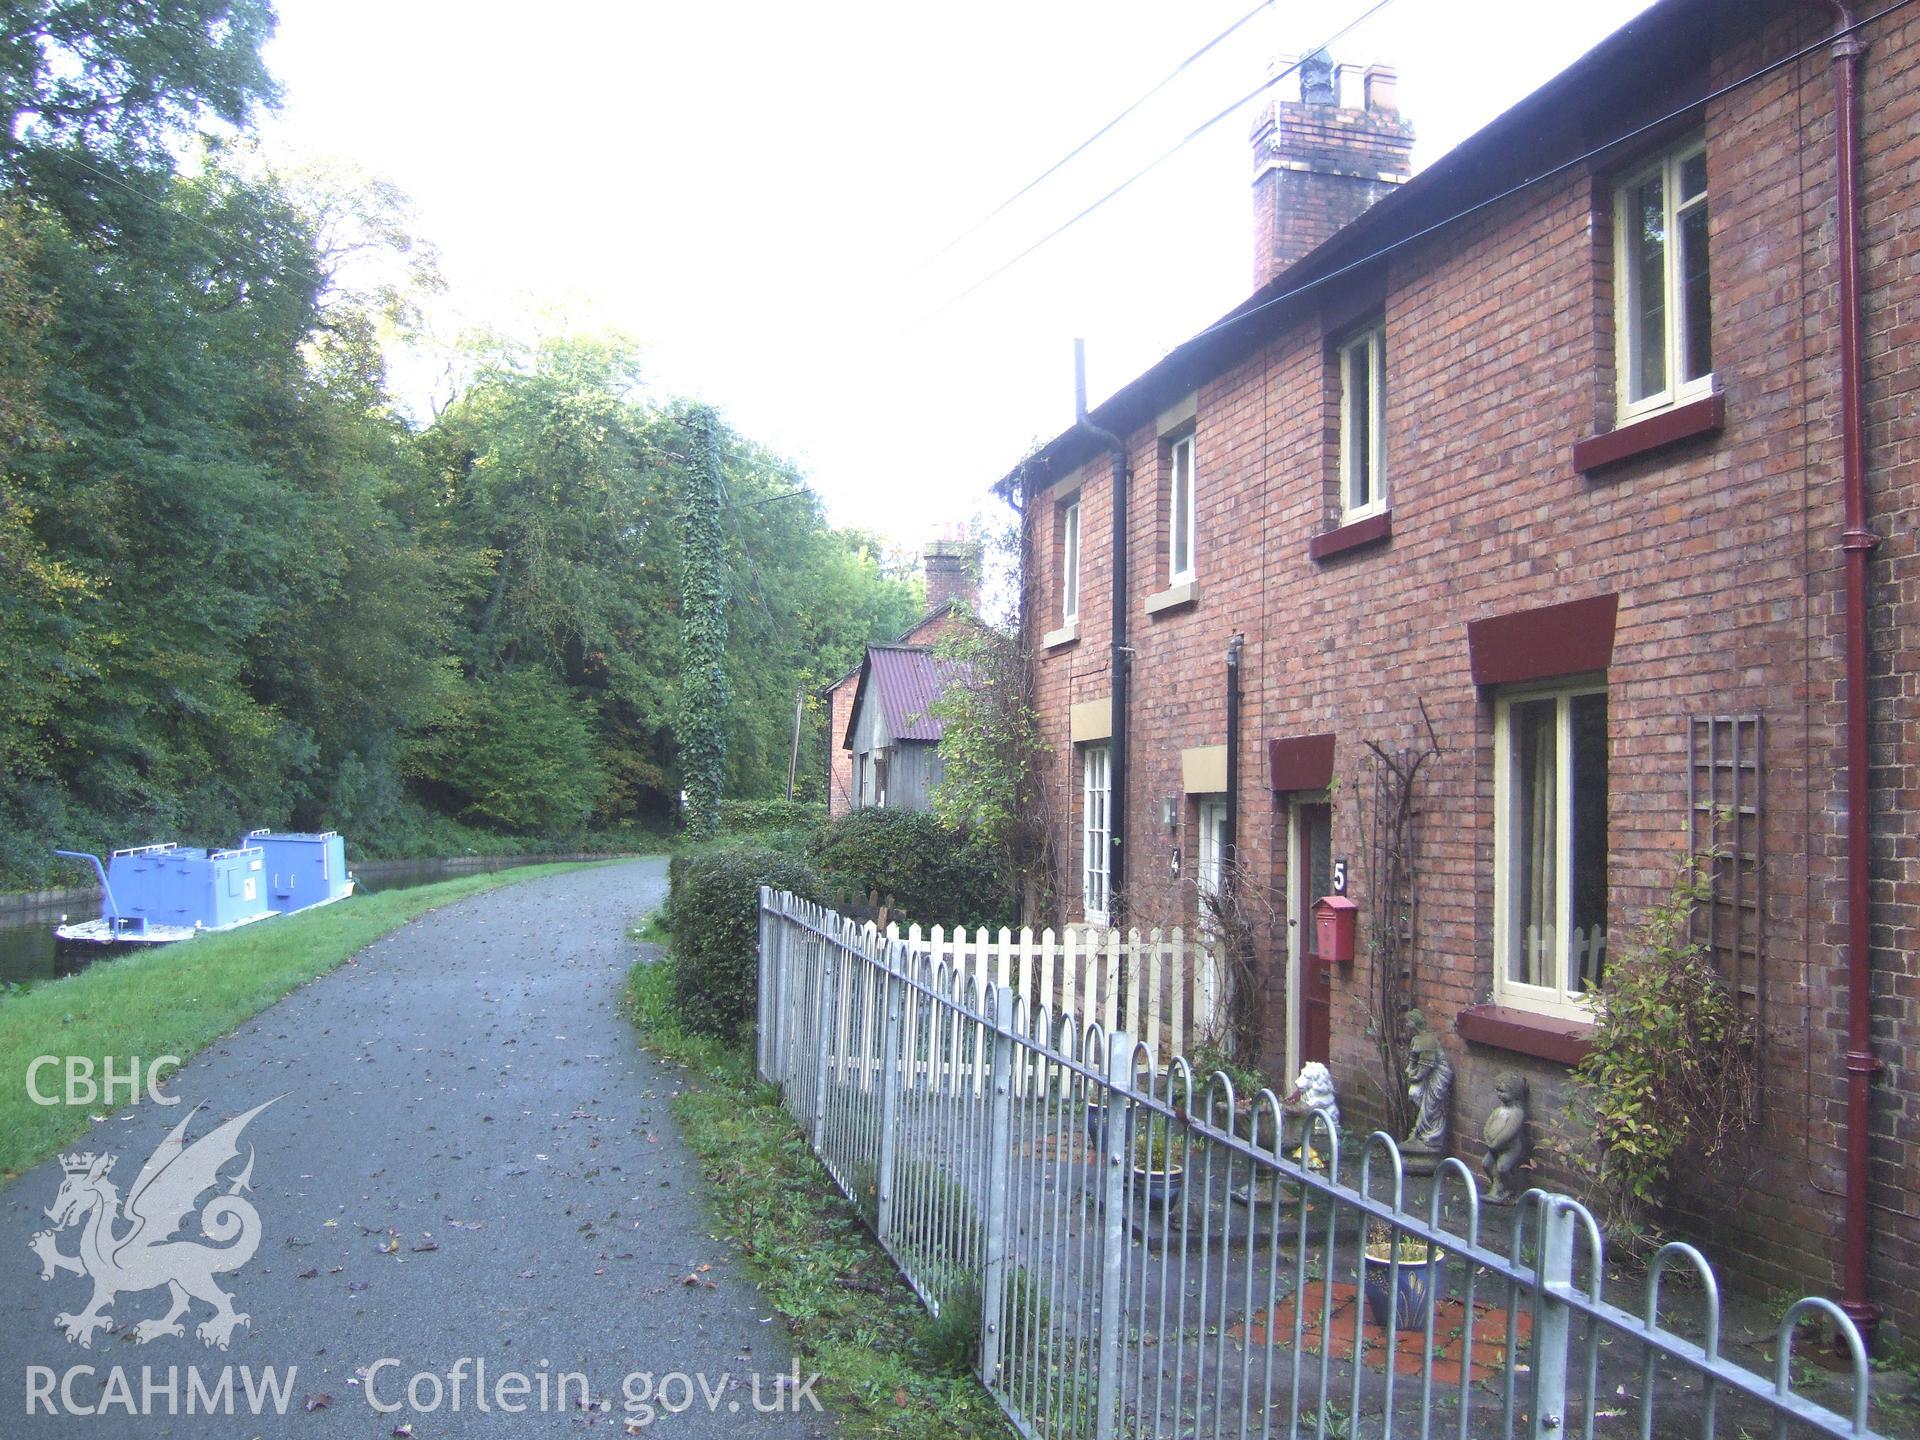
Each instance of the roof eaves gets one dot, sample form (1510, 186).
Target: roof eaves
(853, 714)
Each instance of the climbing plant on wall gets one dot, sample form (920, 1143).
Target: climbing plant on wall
(995, 782)
(703, 617)
(1390, 899)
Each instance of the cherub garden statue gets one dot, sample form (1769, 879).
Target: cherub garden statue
(1506, 1135)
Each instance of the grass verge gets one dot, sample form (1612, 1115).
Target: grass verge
(851, 1317)
(176, 999)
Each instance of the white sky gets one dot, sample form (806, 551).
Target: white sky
(756, 191)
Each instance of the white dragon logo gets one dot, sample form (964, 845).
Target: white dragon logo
(145, 1255)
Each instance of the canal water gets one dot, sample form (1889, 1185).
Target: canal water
(26, 933)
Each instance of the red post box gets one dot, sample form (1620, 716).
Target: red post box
(1333, 924)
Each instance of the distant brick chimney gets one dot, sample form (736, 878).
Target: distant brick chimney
(953, 573)
(1318, 164)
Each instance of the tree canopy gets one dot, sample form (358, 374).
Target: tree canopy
(117, 80)
(238, 588)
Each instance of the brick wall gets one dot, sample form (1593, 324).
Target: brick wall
(1722, 551)
(1890, 110)
(840, 759)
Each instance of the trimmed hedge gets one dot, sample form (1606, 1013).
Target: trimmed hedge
(746, 817)
(934, 875)
(714, 922)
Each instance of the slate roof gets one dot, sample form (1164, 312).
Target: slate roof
(905, 681)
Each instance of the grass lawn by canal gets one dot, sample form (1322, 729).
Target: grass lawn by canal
(176, 999)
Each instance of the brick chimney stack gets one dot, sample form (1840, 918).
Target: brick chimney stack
(1318, 164)
(953, 573)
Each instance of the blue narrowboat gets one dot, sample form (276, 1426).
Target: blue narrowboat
(302, 870)
(161, 894)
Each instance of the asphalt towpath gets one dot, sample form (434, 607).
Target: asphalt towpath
(468, 1185)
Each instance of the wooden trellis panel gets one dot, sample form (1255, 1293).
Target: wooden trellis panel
(1725, 811)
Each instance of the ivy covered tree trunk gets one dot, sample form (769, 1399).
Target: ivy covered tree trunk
(703, 617)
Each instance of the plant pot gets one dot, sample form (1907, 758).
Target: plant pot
(1414, 1286)
(1161, 1187)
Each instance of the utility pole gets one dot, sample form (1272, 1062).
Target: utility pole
(793, 759)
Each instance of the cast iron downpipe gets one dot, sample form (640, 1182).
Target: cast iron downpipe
(1122, 654)
(1230, 850)
(1857, 542)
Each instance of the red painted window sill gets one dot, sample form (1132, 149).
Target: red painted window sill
(1656, 432)
(1369, 531)
(1565, 1042)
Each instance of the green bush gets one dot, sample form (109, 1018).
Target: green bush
(1673, 1071)
(934, 875)
(748, 817)
(714, 921)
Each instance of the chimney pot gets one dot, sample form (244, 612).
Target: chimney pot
(1381, 84)
(1316, 80)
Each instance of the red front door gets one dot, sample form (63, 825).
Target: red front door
(1313, 832)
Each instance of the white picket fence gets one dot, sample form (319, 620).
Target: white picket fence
(1158, 986)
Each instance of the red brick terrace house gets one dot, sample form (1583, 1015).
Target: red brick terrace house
(953, 588)
(1567, 440)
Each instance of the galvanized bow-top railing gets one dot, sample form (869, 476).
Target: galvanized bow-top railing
(1140, 1252)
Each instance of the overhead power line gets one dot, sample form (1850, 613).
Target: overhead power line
(1161, 158)
(1099, 134)
(1426, 232)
